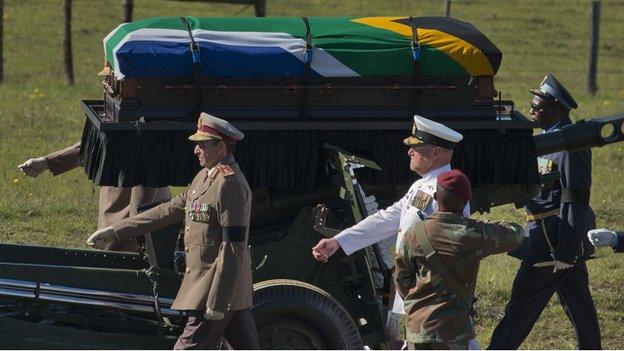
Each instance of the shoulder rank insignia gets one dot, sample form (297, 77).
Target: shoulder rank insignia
(226, 170)
(213, 173)
(421, 200)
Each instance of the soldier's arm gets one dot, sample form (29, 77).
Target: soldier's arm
(372, 229)
(575, 169)
(155, 218)
(233, 213)
(63, 160)
(405, 268)
(57, 162)
(501, 237)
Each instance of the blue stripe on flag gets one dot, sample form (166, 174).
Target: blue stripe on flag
(154, 59)
(169, 59)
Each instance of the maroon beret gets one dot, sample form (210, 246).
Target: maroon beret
(456, 183)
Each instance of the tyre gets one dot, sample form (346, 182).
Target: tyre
(293, 315)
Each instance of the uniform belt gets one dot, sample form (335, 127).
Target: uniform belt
(234, 234)
(580, 196)
(537, 216)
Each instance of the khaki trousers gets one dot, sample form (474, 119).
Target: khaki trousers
(238, 328)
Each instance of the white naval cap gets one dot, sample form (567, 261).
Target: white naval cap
(210, 127)
(426, 131)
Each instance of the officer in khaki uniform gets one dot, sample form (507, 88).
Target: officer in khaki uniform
(217, 286)
(115, 203)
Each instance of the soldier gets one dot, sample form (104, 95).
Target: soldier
(437, 266)
(217, 286)
(115, 203)
(604, 237)
(554, 253)
(430, 150)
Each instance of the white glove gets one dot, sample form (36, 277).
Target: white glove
(370, 204)
(213, 315)
(34, 166)
(102, 237)
(368, 199)
(602, 237)
(372, 208)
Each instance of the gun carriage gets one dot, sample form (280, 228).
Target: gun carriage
(303, 90)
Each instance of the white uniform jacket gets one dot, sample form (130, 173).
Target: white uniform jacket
(412, 208)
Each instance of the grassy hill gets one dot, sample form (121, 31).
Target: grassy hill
(40, 113)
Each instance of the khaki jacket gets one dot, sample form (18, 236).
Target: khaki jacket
(216, 210)
(115, 203)
(435, 314)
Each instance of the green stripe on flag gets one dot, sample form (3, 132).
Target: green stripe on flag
(435, 62)
(291, 25)
(366, 50)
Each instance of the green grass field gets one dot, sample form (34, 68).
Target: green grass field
(40, 113)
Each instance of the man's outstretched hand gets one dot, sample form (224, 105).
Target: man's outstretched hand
(325, 248)
(102, 237)
(34, 166)
(602, 237)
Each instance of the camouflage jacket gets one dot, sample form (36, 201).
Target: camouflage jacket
(434, 312)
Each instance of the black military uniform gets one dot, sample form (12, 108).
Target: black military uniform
(558, 218)
(620, 243)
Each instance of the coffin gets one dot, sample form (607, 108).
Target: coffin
(292, 85)
(169, 68)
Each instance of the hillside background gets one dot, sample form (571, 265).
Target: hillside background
(40, 113)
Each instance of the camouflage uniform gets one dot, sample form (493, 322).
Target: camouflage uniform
(436, 317)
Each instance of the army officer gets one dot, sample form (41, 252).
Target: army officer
(115, 203)
(217, 286)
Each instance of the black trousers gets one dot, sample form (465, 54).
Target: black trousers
(237, 327)
(437, 346)
(532, 289)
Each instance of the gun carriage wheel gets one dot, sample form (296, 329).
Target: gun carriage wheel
(291, 314)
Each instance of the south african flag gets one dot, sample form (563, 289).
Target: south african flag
(290, 46)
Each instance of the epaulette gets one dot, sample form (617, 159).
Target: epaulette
(226, 170)
(213, 173)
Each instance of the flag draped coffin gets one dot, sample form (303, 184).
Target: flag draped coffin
(281, 47)
(325, 67)
(293, 84)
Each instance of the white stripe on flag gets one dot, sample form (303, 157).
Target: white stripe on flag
(322, 62)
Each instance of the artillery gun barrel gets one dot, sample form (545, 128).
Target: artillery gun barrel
(22, 289)
(581, 135)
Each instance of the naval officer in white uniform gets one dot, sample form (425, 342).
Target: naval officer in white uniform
(430, 150)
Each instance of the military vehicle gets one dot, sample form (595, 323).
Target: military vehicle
(324, 104)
